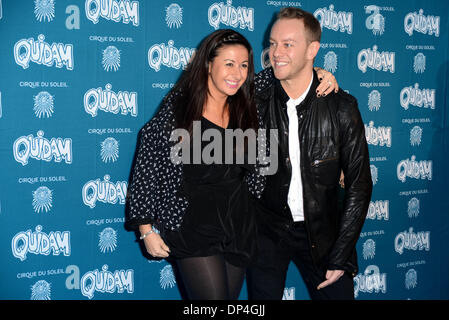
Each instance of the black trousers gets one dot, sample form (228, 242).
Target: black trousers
(266, 278)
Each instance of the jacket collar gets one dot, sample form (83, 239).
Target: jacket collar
(283, 97)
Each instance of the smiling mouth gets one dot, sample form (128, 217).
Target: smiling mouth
(280, 64)
(232, 84)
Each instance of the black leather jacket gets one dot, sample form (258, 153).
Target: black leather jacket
(332, 138)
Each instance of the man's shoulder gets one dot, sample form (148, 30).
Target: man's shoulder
(342, 99)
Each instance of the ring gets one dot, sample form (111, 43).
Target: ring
(329, 82)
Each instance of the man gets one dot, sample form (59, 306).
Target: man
(318, 138)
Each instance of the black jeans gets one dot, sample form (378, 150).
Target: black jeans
(266, 278)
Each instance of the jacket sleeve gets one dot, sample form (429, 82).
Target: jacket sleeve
(358, 183)
(146, 192)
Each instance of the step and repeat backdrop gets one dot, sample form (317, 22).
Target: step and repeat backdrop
(80, 78)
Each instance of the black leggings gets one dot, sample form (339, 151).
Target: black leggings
(210, 278)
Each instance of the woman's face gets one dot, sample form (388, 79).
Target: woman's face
(228, 71)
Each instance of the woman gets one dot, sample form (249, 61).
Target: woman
(203, 211)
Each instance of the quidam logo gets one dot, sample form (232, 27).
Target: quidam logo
(40, 243)
(334, 20)
(230, 16)
(410, 168)
(104, 191)
(379, 209)
(411, 240)
(40, 148)
(169, 56)
(413, 95)
(40, 52)
(123, 10)
(423, 24)
(105, 281)
(380, 136)
(371, 281)
(122, 102)
(373, 59)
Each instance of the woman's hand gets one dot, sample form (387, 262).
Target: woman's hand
(328, 83)
(153, 242)
(156, 246)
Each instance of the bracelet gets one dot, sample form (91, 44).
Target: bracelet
(147, 233)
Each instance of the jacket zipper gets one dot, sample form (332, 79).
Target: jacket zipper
(318, 162)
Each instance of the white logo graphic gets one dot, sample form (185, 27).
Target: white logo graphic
(241, 17)
(378, 136)
(289, 293)
(109, 150)
(114, 10)
(42, 199)
(330, 61)
(414, 169)
(105, 281)
(376, 21)
(379, 210)
(417, 97)
(374, 173)
(40, 52)
(40, 148)
(169, 56)
(411, 279)
(419, 64)
(109, 101)
(41, 290)
(370, 281)
(333, 20)
(44, 9)
(167, 277)
(39, 242)
(374, 100)
(412, 241)
(173, 16)
(423, 24)
(43, 104)
(380, 61)
(111, 58)
(415, 136)
(369, 249)
(108, 240)
(104, 191)
(413, 208)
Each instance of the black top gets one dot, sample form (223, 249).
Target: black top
(219, 218)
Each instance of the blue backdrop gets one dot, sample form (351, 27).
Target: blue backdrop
(80, 78)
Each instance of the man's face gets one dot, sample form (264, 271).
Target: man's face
(289, 49)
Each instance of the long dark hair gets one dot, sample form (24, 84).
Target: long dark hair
(193, 84)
